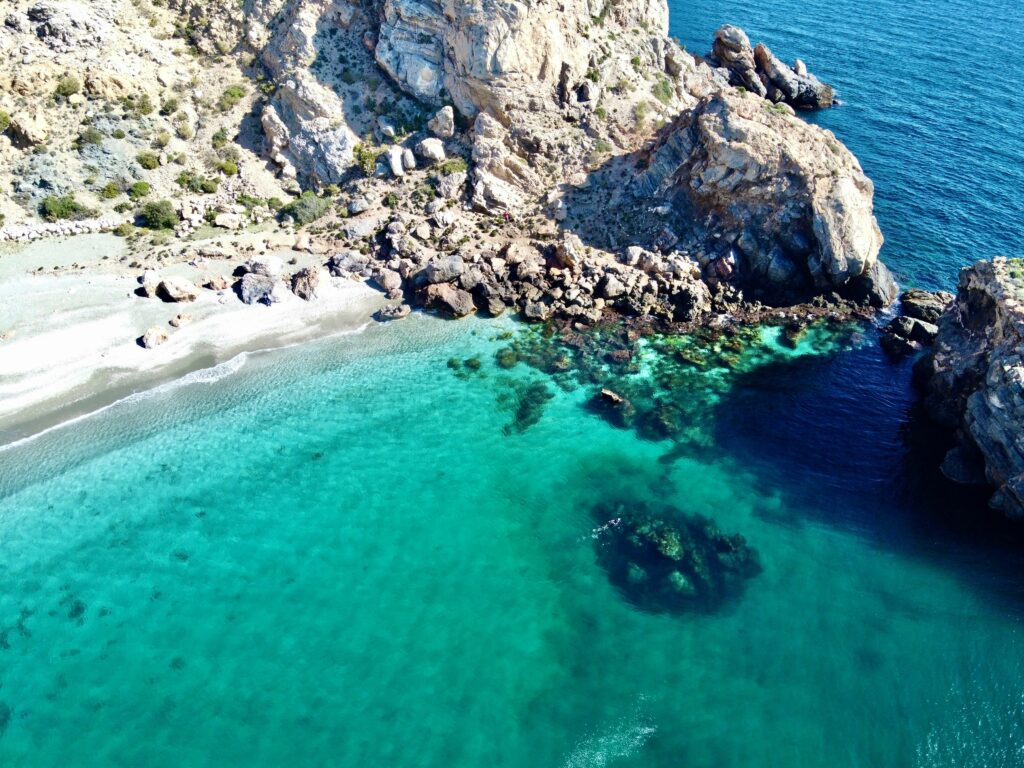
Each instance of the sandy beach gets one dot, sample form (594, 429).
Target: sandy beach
(70, 320)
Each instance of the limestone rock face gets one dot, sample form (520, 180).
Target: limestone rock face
(976, 378)
(501, 177)
(482, 52)
(790, 203)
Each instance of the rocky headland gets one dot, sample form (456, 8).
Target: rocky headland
(973, 380)
(484, 156)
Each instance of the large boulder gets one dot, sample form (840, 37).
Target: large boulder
(784, 199)
(758, 70)
(176, 289)
(448, 299)
(305, 283)
(259, 289)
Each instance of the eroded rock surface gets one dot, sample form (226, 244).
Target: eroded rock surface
(975, 379)
(760, 71)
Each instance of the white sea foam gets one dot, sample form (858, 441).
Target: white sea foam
(622, 739)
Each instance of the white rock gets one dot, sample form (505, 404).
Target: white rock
(442, 124)
(395, 161)
(431, 150)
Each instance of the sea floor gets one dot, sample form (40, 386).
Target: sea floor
(363, 551)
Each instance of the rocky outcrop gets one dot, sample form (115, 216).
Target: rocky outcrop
(781, 203)
(974, 380)
(760, 71)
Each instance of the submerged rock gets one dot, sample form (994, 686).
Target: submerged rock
(663, 560)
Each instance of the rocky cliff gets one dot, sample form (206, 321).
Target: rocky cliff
(434, 131)
(975, 380)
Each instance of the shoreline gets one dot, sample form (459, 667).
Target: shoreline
(68, 339)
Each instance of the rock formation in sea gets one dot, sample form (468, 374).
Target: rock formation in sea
(974, 380)
(664, 560)
(758, 70)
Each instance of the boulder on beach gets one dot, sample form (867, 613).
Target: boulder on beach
(154, 337)
(176, 289)
(305, 283)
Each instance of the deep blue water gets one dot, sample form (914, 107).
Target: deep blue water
(933, 109)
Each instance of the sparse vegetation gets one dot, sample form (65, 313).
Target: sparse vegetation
(139, 190)
(67, 86)
(453, 165)
(219, 139)
(366, 158)
(193, 182)
(5, 121)
(110, 190)
(663, 90)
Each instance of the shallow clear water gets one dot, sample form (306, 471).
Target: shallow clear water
(337, 555)
(348, 553)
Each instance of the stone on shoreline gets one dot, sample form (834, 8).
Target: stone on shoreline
(176, 289)
(305, 282)
(152, 338)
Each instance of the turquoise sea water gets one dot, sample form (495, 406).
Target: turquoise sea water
(352, 553)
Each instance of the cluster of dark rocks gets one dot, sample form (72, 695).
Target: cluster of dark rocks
(537, 279)
(916, 325)
(760, 71)
(664, 560)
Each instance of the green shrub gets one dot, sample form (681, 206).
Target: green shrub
(161, 140)
(159, 215)
(5, 121)
(139, 190)
(390, 200)
(231, 96)
(193, 182)
(184, 130)
(250, 202)
(306, 209)
(228, 167)
(63, 207)
(124, 230)
(169, 107)
(90, 136)
(67, 86)
(453, 165)
(148, 160)
(366, 158)
(118, 134)
(219, 139)
(111, 190)
(144, 105)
